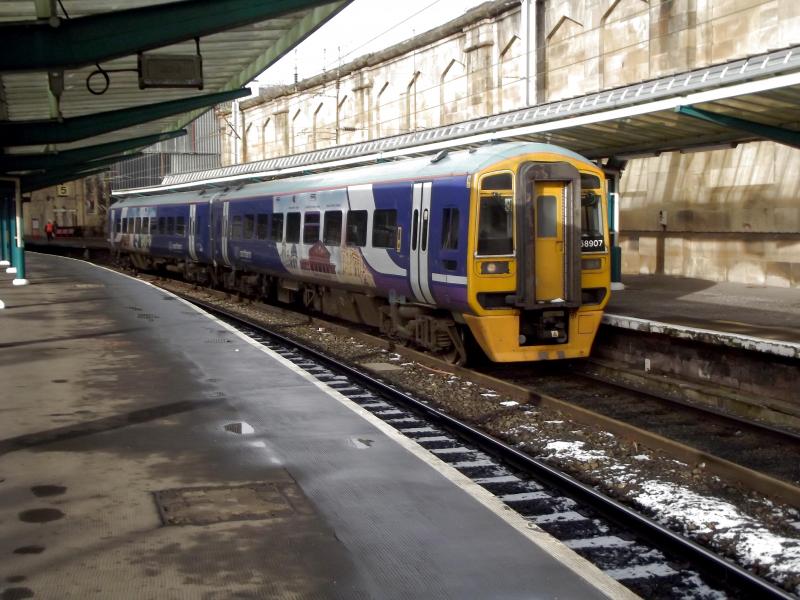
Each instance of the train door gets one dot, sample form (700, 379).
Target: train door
(420, 235)
(218, 230)
(193, 231)
(112, 227)
(548, 251)
(548, 227)
(225, 232)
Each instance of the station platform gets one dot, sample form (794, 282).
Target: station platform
(756, 318)
(118, 478)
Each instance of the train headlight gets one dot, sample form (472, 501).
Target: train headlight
(590, 264)
(494, 268)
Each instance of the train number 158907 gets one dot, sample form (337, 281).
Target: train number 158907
(593, 244)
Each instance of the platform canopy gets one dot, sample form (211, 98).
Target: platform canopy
(719, 106)
(72, 71)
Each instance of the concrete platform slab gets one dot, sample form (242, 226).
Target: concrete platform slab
(116, 394)
(756, 318)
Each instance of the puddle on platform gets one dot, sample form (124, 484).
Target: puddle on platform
(17, 593)
(41, 515)
(29, 550)
(42, 491)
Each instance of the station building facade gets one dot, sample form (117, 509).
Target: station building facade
(724, 215)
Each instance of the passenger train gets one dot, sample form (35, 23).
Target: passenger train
(503, 247)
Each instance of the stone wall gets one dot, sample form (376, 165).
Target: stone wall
(81, 203)
(731, 215)
(724, 215)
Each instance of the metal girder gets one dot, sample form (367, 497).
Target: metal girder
(35, 46)
(29, 133)
(300, 31)
(767, 132)
(32, 183)
(55, 160)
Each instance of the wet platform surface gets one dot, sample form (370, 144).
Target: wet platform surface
(119, 479)
(733, 310)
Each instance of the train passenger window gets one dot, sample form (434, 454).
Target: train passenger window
(180, 226)
(124, 222)
(162, 225)
(332, 228)
(293, 227)
(170, 225)
(118, 226)
(311, 228)
(137, 225)
(546, 216)
(384, 228)
(236, 227)
(262, 226)
(276, 229)
(496, 216)
(450, 229)
(249, 226)
(357, 228)
(145, 224)
(153, 225)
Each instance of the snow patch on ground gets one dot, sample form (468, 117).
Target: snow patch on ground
(573, 450)
(748, 539)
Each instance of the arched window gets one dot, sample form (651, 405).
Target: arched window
(453, 93)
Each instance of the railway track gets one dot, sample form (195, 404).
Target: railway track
(762, 457)
(646, 557)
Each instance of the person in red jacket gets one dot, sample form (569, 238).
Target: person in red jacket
(49, 230)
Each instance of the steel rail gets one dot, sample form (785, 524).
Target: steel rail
(706, 561)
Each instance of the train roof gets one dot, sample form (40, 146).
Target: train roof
(461, 162)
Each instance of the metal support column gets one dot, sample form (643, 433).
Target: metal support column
(16, 234)
(5, 238)
(613, 230)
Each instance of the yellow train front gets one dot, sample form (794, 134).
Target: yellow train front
(539, 276)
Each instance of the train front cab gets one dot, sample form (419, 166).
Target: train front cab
(540, 274)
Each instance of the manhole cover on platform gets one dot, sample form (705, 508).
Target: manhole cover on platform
(251, 502)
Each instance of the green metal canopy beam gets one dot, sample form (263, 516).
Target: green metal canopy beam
(55, 160)
(296, 34)
(35, 46)
(32, 183)
(30, 133)
(767, 132)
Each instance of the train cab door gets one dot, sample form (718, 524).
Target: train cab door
(193, 231)
(218, 230)
(420, 235)
(548, 251)
(548, 228)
